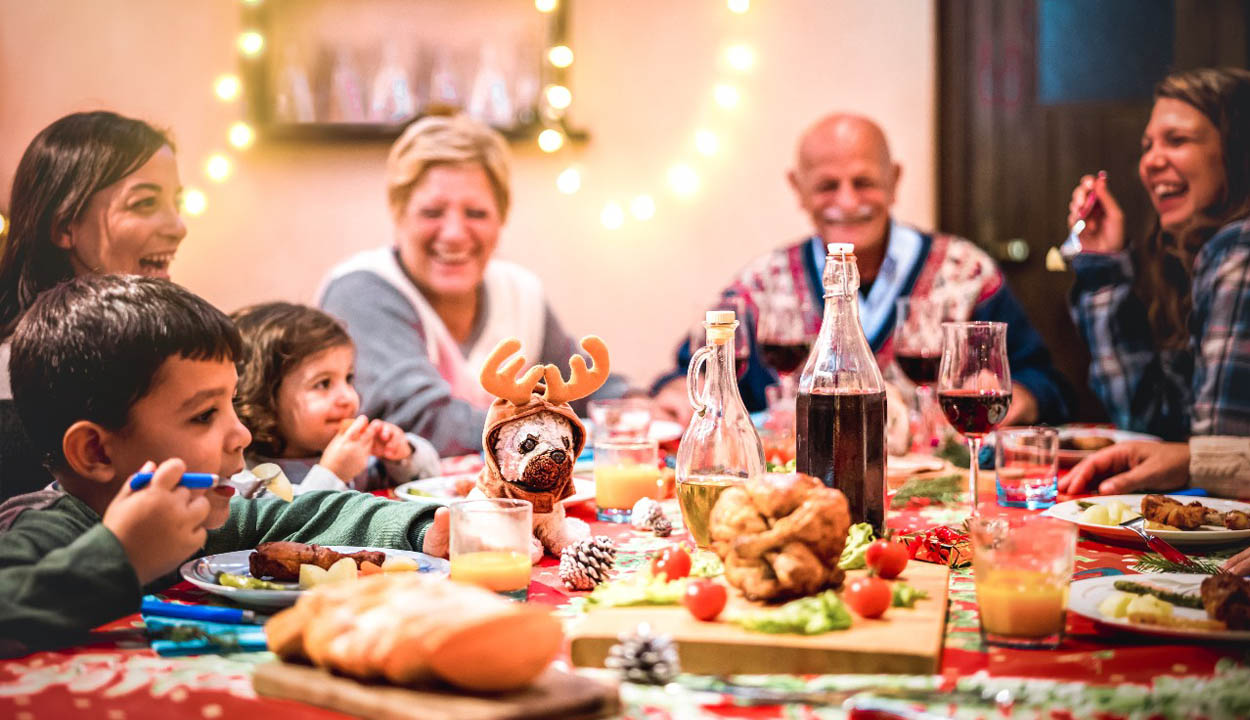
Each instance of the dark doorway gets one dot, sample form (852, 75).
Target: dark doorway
(1032, 94)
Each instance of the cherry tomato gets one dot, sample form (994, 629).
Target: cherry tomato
(887, 558)
(673, 562)
(868, 596)
(705, 599)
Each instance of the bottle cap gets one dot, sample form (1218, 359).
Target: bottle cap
(841, 249)
(719, 317)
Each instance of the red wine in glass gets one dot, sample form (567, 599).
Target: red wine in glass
(974, 412)
(787, 358)
(920, 368)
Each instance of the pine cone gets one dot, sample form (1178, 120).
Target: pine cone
(644, 658)
(587, 562)
(663, 527)
(645, 513)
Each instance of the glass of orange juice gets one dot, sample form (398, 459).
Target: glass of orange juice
(490, 544)
(1022, 564)
(625, 472)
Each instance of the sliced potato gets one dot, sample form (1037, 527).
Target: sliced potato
(311, 576)
(343, 570)
(1115, 604)
(1148, 605)
(399, 563)
(274, 480)
(1096, 515)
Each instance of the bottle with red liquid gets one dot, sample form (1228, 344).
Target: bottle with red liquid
(841, 404)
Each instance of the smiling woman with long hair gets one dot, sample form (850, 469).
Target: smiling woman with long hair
(94, 192)
(1167, 317)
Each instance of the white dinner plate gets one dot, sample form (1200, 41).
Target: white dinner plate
(1084, 596)
(444, 487)
(1068, 458)
(913, 464)
(202, 573)
(662, 431)
(1206, 535)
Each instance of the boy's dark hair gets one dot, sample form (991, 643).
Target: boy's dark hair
(277, 336)
(88, 349)
(68, 162)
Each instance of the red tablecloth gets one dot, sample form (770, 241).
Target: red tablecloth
(119, 678)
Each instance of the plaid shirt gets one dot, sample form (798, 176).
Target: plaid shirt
(1201, 390)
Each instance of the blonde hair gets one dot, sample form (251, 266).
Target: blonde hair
(445, 140)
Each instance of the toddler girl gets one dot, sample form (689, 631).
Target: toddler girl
(295, 395)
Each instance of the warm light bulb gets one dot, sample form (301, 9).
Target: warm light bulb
(642, 207)
(251, 43)
(550, 140)
(683, 179)
(4, 223)
(726, 96)
(560, 56)
(227, 87)
(193, 202)
(740, 57)
(559, 97)
(545, 6)
(217, 168)
(612, 217)
(241, 135)
(739, 6)
(253, 3)
(706, 142)
(569, 181)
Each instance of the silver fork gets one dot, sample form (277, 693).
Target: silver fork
(1071, 246)
(1158, 544)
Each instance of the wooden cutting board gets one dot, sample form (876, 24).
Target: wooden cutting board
(554, 694)
(903, 641)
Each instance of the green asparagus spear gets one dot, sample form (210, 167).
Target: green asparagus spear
(1178, 599)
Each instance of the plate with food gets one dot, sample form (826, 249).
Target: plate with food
(1077, 443)
(274, 574)
(449, 488)
(1207, 607)
(1179, 519)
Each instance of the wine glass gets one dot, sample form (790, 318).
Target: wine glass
(742, 340)
(918, 352)
(974, 384)
(783, 342)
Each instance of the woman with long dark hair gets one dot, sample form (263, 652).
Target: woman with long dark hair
(1167, 316)
(94, 192)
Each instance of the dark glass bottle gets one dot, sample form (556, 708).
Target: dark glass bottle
(841, 404)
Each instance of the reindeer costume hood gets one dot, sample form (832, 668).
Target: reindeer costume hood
(520, 398)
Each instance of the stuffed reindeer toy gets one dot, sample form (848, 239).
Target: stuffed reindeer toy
(532, 437)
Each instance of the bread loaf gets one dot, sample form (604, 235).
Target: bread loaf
(409, 628)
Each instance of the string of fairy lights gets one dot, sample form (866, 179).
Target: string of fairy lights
(682, 177)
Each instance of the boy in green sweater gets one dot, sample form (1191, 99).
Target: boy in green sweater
(115, 375)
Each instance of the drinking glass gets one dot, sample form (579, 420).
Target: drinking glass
(620, 418)
(1021, 566)
(490, 544)
(1027, 466)
(918, 352)
(974, 384)
(625, 472)
(783, 343)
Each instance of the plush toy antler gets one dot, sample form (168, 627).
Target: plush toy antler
(582, 381)
(502, 381)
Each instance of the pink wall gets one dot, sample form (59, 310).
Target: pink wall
(642, 84)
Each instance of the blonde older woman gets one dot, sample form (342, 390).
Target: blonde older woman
(426, 310)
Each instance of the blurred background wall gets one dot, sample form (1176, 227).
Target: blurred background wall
(642, 83)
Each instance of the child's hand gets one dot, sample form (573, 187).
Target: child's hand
(347, 455)
(389, 442)
(438, 537)
(160, 525)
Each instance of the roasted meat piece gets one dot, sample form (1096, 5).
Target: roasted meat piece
(1163, 509)
(1226, 597)
(780, 536)
(281, 560)
(1237, 520)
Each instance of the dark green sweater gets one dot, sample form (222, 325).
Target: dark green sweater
(63, 573)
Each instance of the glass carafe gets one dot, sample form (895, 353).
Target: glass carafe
(720, 447)
(840, 423)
